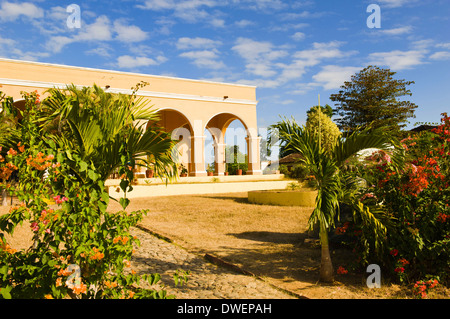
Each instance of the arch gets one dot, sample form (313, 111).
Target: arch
(217, 125)
(177, 118)
(222, 121)
(179, 126)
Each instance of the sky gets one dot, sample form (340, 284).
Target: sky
(293, 51)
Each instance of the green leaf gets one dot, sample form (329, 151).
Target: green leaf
(6, 292)
(83, 166)
(69, 155)
(124, 202)
(92, 175)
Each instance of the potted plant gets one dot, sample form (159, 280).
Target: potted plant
(183, 171)
(210, 169)
(149, 173)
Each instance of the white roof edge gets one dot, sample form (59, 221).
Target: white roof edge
(121, 72)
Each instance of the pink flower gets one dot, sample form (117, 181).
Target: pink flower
(34, 226)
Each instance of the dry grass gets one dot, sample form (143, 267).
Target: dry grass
(269, 241)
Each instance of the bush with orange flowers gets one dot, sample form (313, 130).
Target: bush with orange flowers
(79, 249)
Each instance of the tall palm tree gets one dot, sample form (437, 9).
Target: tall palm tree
(334, 186)
(98, 125)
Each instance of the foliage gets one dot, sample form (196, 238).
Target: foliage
(98, 124)
(297, 170)
(235, 160)
(334, 185)
(417, 197)
(373, 97)
(64, 198)
(329, 132)
(327, 110)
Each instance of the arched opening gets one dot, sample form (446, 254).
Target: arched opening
(226, 146)
(179, 126)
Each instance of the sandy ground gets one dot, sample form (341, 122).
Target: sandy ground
(269, 241)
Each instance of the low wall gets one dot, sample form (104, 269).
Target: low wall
(197, 188)
(283, 197)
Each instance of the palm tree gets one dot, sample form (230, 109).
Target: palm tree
(334, 186)
(99, 126)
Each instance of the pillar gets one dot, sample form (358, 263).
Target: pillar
(254, 165)
(219, 159)
(197, 164)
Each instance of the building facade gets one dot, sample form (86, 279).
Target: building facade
(187, 107)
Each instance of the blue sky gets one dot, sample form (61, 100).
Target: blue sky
(291, 50)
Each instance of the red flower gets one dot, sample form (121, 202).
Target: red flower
(342, 271)
(399, 269)
(394, 252)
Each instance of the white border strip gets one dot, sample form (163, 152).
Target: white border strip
(48, 85)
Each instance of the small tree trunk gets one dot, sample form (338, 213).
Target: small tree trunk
(326, 267)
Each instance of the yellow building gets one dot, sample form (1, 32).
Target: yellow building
(187, 107)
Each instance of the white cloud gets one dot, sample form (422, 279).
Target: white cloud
(323, 50)
(443, 45)
(298, 36)
(157, 5)
(10, 11)
(312, 57)
(333, 76)
(261, 5)
(100, 30)
(4, 41)
(259, 55)
(398, 60)
(196, 43)
(394, 3)
(102, 51)
(244, 23)
(129, 33)
(188, 10)
(441, 55)
(218, 23)
(204, 59)
(129, 62)
(396, 31)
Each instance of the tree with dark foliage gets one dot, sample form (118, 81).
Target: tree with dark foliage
(373, 97)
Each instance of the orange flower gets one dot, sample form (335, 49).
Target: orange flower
(81, 289)
(11, 152)
(110, 284)
(21, 147)
(97, 254)
(58, 282)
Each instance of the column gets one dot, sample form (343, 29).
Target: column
(254, 165)
(219, 159)
(197, 164)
